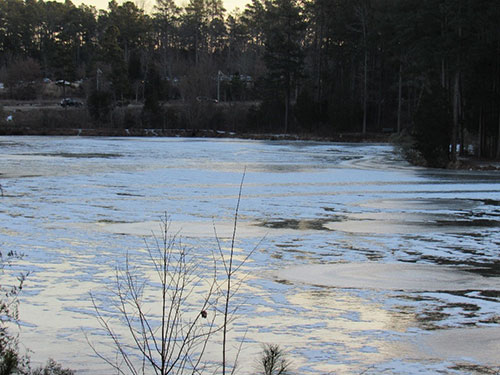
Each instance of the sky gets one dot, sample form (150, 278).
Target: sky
(230, 5)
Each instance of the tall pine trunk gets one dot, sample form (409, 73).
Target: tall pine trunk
(498, 138)
(400, 95)
(365, 84)
(456, 115)
(480, 132)
(287, 101)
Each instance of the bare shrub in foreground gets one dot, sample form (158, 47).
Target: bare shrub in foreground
(11, 360)
(172, 340)
(273, 361)
(194, 305)
(231, 287)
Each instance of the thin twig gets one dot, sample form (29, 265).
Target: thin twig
(229, 275)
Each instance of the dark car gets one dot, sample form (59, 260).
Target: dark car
(69, 102)
(206, 99)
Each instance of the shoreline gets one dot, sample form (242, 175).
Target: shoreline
(469, 163)
(48, 118)
(227, 120)
(191, 133)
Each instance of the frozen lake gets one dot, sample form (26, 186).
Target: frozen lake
(366, 265)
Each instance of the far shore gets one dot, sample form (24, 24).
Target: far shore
(190, 133)
(49, 118)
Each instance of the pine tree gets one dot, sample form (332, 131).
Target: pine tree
(284, 55)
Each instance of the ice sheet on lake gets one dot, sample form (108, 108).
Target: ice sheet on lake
(76, 206)
(193, 229)
(480, 345)
(389, 276)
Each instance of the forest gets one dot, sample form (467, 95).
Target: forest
(429, 69)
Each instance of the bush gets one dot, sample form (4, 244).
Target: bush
(432, 131)
(273, 361)
(405, 145)
(308, 112)
(268, 116)
(100, 104)
(52, 368)
(10, 360)
(192, 305)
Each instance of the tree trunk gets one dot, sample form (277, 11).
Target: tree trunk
(400, 95)
(319, 53)
(498, 138)
(456, 103)
(456, 96)
(443, 74)
(287, 101)
(480, 132)
(196, 58)
(365, 88)
(361, 12)
(164, 57)
(461, 126)
(287, 104)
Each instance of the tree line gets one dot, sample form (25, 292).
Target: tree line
(427, 67)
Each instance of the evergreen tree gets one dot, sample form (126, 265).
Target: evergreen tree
(112, 54)
(284, 32)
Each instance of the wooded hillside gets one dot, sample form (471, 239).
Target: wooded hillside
(430, 67)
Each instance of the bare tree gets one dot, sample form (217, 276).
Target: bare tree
(174, 340)
(231, 286)
(194, 306)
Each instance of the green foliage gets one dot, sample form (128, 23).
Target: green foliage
(20, 76)
(112, 54)
(154, 89)
(308, 112)
(283, 36)
(428, 142)
(264, 117)
(284, 56)
(341, 64)
(237, 87)
(99, 105)
(433, 123)
(406, 146)
(52, 368)
(9, 361)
